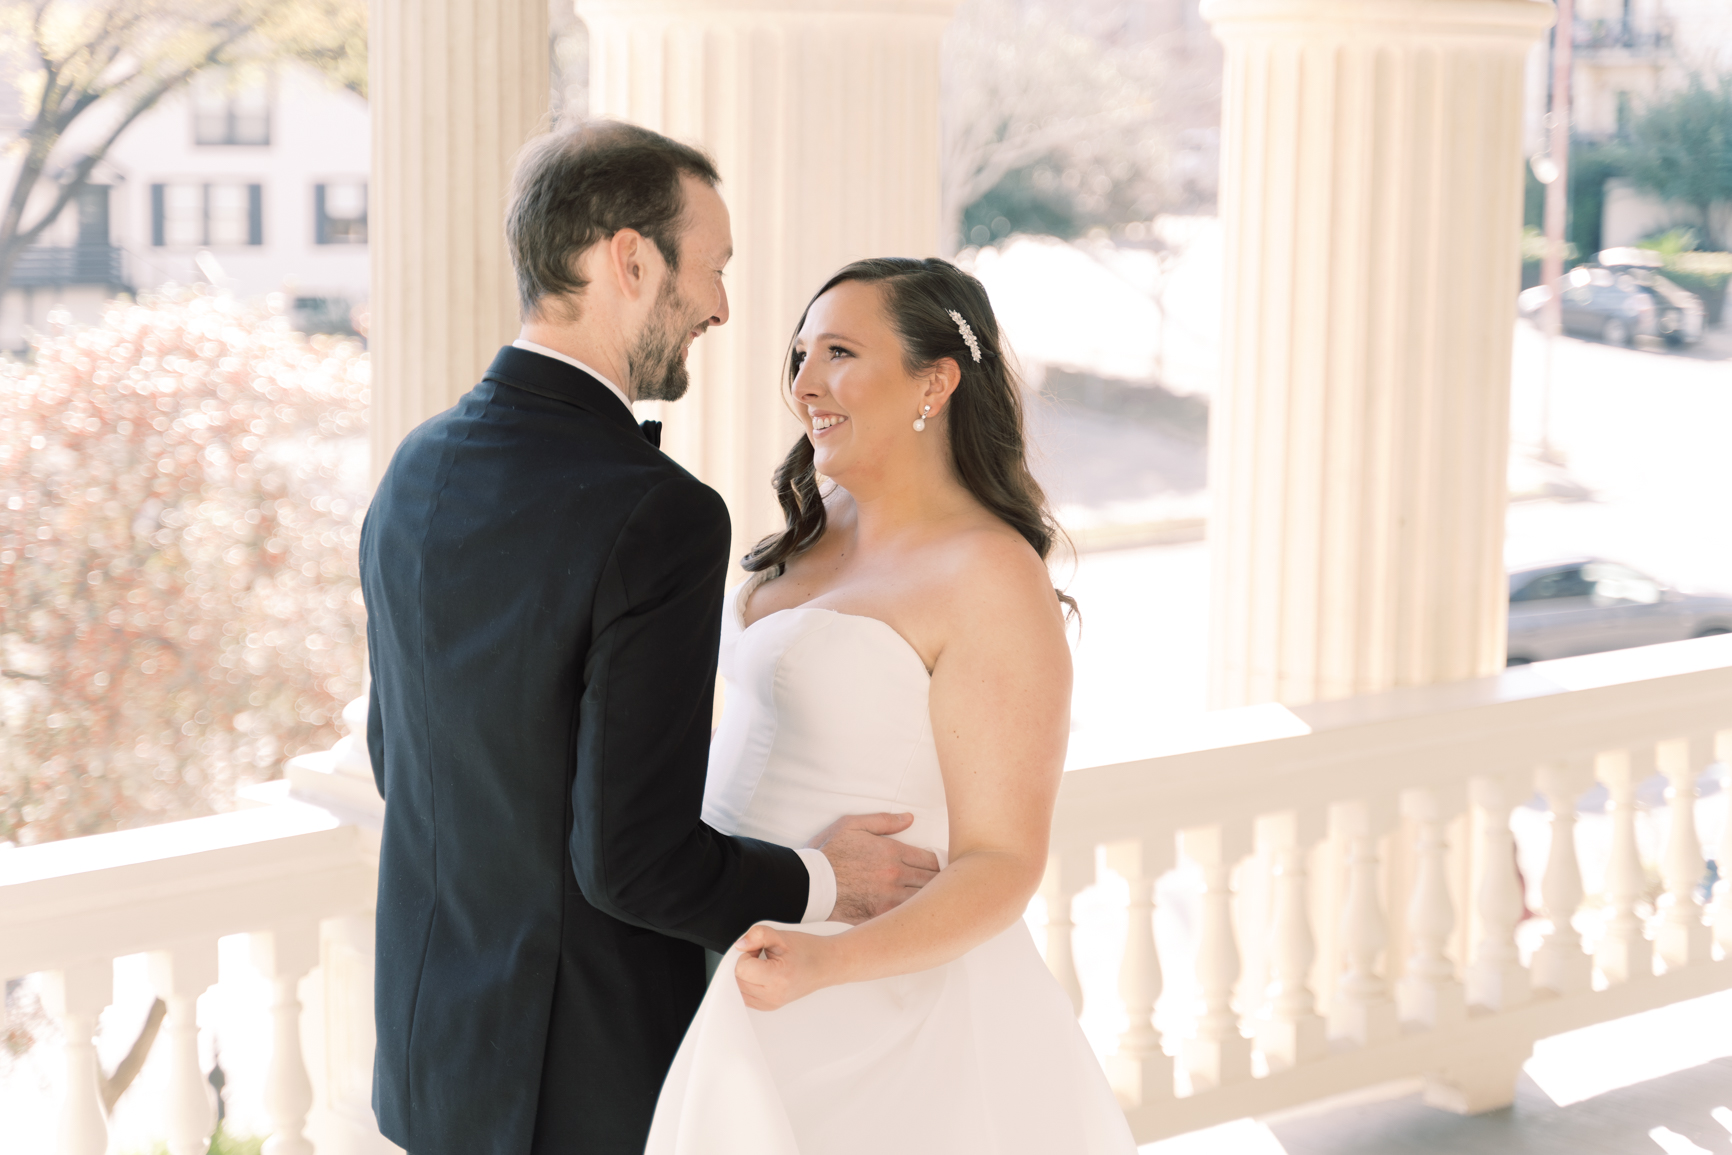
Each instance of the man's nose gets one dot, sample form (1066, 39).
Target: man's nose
(720, 317)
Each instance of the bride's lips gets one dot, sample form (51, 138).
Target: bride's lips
(825, 423)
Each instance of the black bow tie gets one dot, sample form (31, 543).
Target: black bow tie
(652, 432)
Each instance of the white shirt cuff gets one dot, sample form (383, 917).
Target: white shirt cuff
(821, 896)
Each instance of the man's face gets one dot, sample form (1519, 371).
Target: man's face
(691, 298)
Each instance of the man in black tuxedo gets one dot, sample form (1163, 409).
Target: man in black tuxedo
(544, 593)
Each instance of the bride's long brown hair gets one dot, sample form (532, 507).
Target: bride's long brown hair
(985, 420)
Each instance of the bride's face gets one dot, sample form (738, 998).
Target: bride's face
(852, 391)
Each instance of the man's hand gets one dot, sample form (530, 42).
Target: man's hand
(874, 873)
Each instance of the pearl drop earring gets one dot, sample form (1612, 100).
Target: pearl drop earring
(920, 421)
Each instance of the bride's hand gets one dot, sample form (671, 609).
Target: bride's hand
(778, 966)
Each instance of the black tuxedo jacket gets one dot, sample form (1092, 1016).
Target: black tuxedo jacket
(544, 593)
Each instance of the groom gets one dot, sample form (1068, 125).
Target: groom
(544, 593)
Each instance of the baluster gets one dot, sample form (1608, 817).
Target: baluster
(283, 956)
(1682, 937)
(1289, 1030)
(1624, 953)
(1560, 965)
(1140, 1073)
(181, 974)
(1428, 992)
(1496, 977)
(75, 997)
(1722, 912)
(1362, 1009)
(1215, 1054)
(1066, 874)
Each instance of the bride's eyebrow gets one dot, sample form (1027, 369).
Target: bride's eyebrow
(835, 337)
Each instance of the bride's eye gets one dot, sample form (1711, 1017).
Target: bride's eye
(837, 350)
(799, 359)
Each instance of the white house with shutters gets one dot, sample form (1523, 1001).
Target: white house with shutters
(254, 181)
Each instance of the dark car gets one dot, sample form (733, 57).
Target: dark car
(1589, 604)
(1619, 303)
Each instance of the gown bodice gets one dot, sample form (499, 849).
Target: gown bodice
(824, 714)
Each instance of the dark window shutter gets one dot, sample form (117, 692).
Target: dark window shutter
(255, 214)
(156, 215)
(321, 232)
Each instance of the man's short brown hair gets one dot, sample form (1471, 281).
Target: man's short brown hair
(582, 185)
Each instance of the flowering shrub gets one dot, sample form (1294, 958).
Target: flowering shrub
(180, 501)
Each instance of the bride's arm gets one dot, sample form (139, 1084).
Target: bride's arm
(1000, 704)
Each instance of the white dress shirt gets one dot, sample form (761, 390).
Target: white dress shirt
(821, 886)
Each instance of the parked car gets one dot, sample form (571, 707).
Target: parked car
(1587, 605)
(1616, 304)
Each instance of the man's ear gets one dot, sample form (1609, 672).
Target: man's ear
(941, 382)
(627, 252)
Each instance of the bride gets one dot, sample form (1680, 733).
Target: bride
(899, 647)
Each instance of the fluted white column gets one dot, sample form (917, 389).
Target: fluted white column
(823, 119)
(283, 957)
(1682, 937)
(456, 87)
(1720, 916)
(75, 997)
(180, 974)
(1371, 203)
(1141, 1072)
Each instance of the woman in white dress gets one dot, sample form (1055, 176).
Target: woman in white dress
(900, 648)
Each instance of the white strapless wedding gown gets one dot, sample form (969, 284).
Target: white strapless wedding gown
(826, 714)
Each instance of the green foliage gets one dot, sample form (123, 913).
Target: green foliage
(220, 1144)
(1680, 147)
(1706, 275)
(1534, 248)
(179, 609)
(1029, 200)
(1671, 242)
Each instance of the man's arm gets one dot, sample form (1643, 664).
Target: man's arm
(640, 849)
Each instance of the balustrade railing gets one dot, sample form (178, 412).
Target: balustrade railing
(1360, 914)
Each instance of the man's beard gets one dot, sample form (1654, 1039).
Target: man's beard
(658, 371)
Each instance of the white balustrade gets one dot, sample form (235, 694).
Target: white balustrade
(1065, 876)
(1288, 1030)
(1428, 993)
(1384, 887)
(1625, 953)
(1215, 1053)
(283, 956)
(1559, 966)
(1363, 1010)
(1364, 919)
(76, 996)
(1141, 1072)
(1722, 909)
(275, 870)
(1496, 977)
(1682, 937)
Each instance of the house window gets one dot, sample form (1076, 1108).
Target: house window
(340, 213)
(186, 215)
(230, 107)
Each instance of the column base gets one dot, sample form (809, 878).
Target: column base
(1430, 1003)
(1140, 1080)
(1499, 986)
(1363, 1022)
(1287, 1044)
(1213, 1063)
(1624, 960)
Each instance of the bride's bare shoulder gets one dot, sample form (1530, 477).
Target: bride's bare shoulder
(994, 576)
